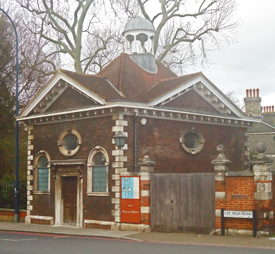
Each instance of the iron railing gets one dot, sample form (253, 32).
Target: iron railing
(7, 194)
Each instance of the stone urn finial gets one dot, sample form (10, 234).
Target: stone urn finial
(261, 148)
(220, 148)
(261, 161)
(146, 164)
(221, 163)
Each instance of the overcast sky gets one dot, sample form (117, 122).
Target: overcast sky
(249, 63)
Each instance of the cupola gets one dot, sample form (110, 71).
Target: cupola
(139, 34)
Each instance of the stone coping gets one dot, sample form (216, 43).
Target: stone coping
(239, 173)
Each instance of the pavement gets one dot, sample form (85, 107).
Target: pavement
(192, 239)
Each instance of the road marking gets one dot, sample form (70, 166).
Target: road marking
(18, 240)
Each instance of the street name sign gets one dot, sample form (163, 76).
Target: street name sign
(238, 214)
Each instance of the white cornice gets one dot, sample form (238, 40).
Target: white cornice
(52, 83)
(200, 79)
(127, 106)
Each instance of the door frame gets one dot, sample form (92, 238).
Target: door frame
(72, 170)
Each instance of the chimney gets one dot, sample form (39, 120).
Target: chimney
(253, 103)
(268, 109)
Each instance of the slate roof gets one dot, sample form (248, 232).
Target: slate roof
(165, 86)
(130, 79)
(123, 80)
(96, 84)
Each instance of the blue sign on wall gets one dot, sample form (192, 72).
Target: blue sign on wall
(130, 188)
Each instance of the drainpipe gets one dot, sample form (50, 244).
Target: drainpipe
(135, 141)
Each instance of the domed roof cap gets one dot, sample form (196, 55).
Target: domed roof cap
(139, 23)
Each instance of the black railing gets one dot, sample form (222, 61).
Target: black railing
(7, 194)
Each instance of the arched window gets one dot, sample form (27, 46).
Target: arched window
(98, 172)
(42, 172)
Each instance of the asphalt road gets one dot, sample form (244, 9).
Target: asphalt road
(29, 243)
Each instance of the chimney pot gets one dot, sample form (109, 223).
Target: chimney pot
(253, 92)
(257, 90)
(272, 108)
(247, 93)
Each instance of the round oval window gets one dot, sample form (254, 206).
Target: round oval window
(191, 140)
(70, 142)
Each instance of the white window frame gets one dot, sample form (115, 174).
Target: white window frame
(90, 172)
(61, 145)
(37, 157)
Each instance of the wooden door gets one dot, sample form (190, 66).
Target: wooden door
(183, 202)
(69, 191)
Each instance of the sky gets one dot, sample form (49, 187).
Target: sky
(250, 62)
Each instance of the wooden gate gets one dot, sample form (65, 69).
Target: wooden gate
(183, 202)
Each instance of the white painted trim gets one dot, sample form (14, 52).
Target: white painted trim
(99, 222)
(191, 83)
(41, 193)
(218, 212)
(145, 177)
(145, 209)
(40, 154)
(94, 151)
(38, 217)
(99, 194)
(262, 133)
(145, 193)
(60, 75)
(141, 107)
(59, 201)
(220, 195)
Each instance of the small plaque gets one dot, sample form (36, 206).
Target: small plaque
(239, 196)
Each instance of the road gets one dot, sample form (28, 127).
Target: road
(29, 243)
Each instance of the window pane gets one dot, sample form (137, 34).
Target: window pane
(42, 162)
(43, 179)
(99, 179)
(70, 142)
(99, 159)
(191, 140)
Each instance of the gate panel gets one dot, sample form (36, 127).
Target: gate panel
(183, 202)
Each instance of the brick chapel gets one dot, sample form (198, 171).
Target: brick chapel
(162, 176)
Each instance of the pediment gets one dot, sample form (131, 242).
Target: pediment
(70, 99)
(64, 91)
(192, 101)
(200, 95)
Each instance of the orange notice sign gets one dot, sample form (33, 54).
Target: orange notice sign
(130, 199)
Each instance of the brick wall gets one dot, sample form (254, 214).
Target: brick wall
(94, 132)
(160, 140)
(239, 196)
(8, 215)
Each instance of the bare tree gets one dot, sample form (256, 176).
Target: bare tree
(186, 29)
(37, 62)
(69, 24)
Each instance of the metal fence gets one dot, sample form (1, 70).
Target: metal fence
(7, 194)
